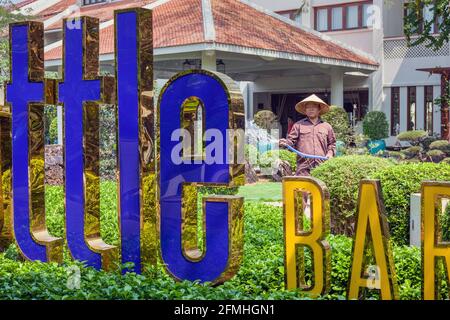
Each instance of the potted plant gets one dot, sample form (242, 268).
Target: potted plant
(376, 128)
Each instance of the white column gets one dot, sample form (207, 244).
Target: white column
(59, 115)
(209, 60)
(404, 117)
(376, 79)
(415, 222)
(337, 87)
(420, 107)
(436, 111)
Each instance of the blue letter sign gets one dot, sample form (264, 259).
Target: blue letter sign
(157, 205)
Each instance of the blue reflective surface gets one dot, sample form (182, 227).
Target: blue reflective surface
(73, 92)
(128, 140)
(214, 99)
(19, 93)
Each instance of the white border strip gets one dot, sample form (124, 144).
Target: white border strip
(158, 52)
(208, 21)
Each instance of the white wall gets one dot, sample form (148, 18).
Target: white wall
(393, 18)
(437, 111)
(403, 72)
(275, 5)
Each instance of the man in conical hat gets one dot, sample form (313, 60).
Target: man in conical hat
(311, 135)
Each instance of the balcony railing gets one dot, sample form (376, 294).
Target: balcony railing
(397, 48)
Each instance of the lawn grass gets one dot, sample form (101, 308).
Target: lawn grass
(264, 191)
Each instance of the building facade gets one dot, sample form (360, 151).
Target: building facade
(351, 53)
(398, 88)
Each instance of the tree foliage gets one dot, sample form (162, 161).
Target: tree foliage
(416, 24)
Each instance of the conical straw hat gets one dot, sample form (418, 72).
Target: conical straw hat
(301, 106)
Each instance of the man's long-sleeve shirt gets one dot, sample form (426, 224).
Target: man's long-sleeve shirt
(315, 139)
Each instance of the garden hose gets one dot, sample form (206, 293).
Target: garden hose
(304, 155)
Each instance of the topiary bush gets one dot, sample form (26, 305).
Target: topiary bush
(412, 152)
(337, 117)
(342, 176)
(439, 145)
(53, 132)
(268, 158)
(375, 125)
(442, 145)
(414, 137)
(260, 277)
(436, 155)
(398, 183)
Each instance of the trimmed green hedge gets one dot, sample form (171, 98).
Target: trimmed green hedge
(267, 159)
(261, 275)
(342, 176)
(398, 183)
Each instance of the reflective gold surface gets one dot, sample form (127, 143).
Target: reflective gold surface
(296, 238)
(6, 233)
(372, 231)
(435, 251)
(39, 231)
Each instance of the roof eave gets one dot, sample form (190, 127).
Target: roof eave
(207, 46)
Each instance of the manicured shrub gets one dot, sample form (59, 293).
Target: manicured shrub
(396, 155)
(412, 152)
(51, 126)
(269, 157)
(439, 145)
(337, 117)
(414, 137)
(436, 155)
(398, 183)
(108, 142)
(53, 131)
(342, 176)
(261, 275)
(375, 125)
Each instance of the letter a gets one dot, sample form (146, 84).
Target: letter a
(371, 220)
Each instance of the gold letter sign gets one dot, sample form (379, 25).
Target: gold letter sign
(296, 238)
(371, 221)
(434, 250)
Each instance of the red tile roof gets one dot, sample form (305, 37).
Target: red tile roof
(239, 24)
(180, 22)
(102, 11)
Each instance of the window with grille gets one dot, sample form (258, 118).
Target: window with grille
(429, 106)
(88, 2)
(347, 16)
